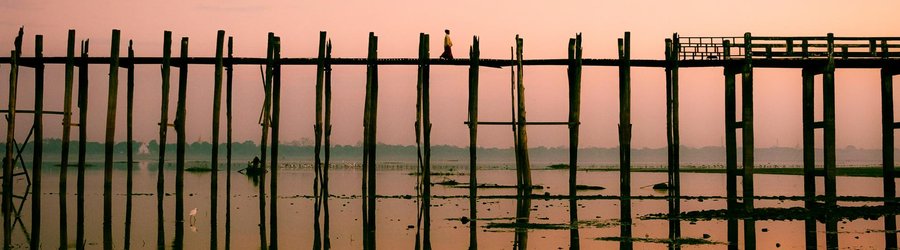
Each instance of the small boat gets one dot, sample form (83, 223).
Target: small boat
(253, 168)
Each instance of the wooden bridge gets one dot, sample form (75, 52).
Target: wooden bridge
(736, 55)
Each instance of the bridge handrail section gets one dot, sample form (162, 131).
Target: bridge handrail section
(772, 47)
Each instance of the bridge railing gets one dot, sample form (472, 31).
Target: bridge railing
(771, 47)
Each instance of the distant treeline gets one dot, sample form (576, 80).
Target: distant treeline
(442, 154)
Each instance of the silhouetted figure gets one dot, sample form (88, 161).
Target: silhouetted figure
(447, 44)
(253, 168)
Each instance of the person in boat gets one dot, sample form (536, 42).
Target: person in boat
(447, 44)
(253, 167)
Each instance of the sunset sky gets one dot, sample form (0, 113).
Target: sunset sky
(545, 27)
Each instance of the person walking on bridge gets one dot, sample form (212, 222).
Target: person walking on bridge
(447, 44)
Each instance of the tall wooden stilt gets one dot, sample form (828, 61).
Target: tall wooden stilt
(317, 130)
(38, 149)
(831, 238)
(276, 118)
(673, 140)
(523, 162)
(731, 171)
(747, 136)
(474, 61)
(129, 138)
(267, 83)
(82, 143)
(67, 128)
(887, 145)
(369, 153)
(214, 165)
(426, 135)
(574, 70)
(327, 163)
(110, 139)
(228, 84)
(8, 162)
(163, 131)
(625, 139)
(809, 154)
(180, 116)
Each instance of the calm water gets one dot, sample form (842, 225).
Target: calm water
(396, 213)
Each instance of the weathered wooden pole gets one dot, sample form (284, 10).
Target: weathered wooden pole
(129, 151)
(672, 136)
(82, 143)
(165, 71)
(575, 65)
(425, 81)
(216, 117)
(267, 83)
(326, 220)
(625, 139)
(524, 165)
(38, 148)
(317, 130)
(276, 118)
(180, 116)
(369, 148)
(474, 61)
(831, 237)
(8, 163)
(747, 135)
(228, 83)
(887, 145)
(67, 128)
(112, 100)
(809, 153)
(731, 171)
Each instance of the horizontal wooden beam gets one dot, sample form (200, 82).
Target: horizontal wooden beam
(23, 111)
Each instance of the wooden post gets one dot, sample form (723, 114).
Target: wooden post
(267, 83)
(575, 65)
(524, 164)
(10, 145)
(180, 116)
(327, 125)
(216, 117)
(887, 145)
(38, 148)
(82, 142)
(67, 128)
(625, 139)
(228, 83)
(731, 171)
(110, 139)
(426, 127)
(371, 114)
(276, 118)
(317, 130)
(163, 130)
(674, 179)
(747, 135)
(129, 143)
(809, 153)
(831, 237)
(474, 61)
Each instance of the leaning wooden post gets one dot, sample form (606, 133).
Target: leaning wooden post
(276, 118)
(129, 138)
(575, 65)
(524, 164)
(731, 171)
(887, 145)
(831, 237)
(67, 128)
(216, 117)
(747, 130)
(165, 71)
(228, 83)
(625, 138)
(82, 142)
(10, 145)
(326, 219)
(317, 131)
(474, 61)
(180, 147)
(267, 82)
(38, 148)
(112, 99)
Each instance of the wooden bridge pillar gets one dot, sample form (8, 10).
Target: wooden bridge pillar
(809, 159)
(317, 131)
(731, 127)
(67, 128)
(38, 147)
(83, 84)
(474, 61)
(423, 131)
(214, 165)
(110, 139)
(625, 139)
(275, 126)
(165, 71)
(673, 140)
(370, 142)
(748, 144)
(9, 161)
(228, 94)
(129, 142)
(574, 75)
(888, 126)
(831, 228)
(523, 163)
(181, 146)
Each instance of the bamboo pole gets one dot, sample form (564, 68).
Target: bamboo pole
(731, 171)
(575, 57)
(747, 136)
(67, 128)
(276, 118)
(317, 130)
(625, 138)
(165, 71)
(828, 93)
(10, 145)
(524, 164)
(474, 57)
(38, 149)
(82, 142)
(180, 116)
(216, 118)
(110, 139)
(270, 64)
(325, 194)
(228, 82)
(129, 144)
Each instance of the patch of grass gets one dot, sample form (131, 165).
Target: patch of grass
(198, 169)
(558, 166)
(820, 213)
(677, 241)
(588, 187)
(846, 171)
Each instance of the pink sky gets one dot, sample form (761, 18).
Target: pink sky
(546, 28)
